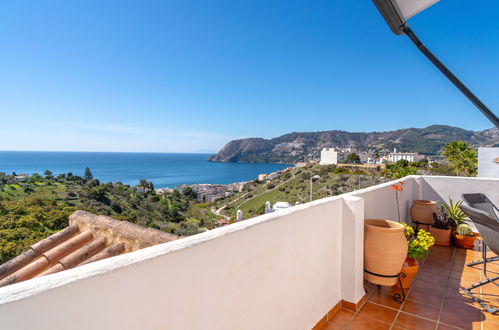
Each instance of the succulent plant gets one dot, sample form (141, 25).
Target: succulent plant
(456, 215)
(464, 230)
(441, 219)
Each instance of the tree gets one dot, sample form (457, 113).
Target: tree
(88, 175)
(146, 185)
(353, 158)
(189, 192)
(462, 158)
(399, 169)
(48, 174)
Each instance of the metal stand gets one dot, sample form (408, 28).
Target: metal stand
(484, 260)
(419, 223)
(486, 281)
(400, 275)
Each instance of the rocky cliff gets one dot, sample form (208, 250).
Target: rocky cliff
(300, 146)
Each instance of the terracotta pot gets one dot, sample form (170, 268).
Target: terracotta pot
(409, 269)
(422, 211)
(465, 242)
(442, 236)
(385, 249)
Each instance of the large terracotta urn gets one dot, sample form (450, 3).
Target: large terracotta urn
(422, 211)
(385, 250)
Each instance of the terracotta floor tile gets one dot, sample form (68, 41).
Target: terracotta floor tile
(426, 297)
(378, 312)
(408, 321)
(420, 309)
(490, 326)
(430, 277)
(437, 269)
(456, 293)
(490, 318)
(362, 322)
(460, 313)
(385, 297)
(342, 317)
(332, 326)
(442, 326)
(440, 260)
(437, 288)
(461, 282)
(469, 274)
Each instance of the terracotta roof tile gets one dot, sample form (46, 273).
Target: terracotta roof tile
(88, 238)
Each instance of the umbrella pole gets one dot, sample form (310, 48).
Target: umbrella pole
(469, 94)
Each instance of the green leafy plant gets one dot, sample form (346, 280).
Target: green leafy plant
(462, 158)
(455, 214)
(464, 230)
(418, 244)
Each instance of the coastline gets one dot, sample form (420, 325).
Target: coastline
(163, 169)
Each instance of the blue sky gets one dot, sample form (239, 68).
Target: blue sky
(184, 76)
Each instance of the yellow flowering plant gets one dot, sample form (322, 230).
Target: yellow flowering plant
(419, 244)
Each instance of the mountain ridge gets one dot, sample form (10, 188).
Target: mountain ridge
(301, 146)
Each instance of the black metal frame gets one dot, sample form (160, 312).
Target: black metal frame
(419, 223)
(400, 275)
(481, 283)
(453, 79)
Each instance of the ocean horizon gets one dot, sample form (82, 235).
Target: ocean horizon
(162, 169)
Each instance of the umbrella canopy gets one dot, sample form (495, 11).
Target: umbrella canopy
(409, 8)
(396, 12)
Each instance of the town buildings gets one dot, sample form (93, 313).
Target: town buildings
(395, 156)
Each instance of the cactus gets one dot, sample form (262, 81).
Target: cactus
(464, 230)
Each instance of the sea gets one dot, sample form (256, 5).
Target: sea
(162, 169)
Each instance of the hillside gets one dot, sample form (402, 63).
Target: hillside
(39, 206)
(300, 146)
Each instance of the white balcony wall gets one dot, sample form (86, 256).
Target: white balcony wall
(278, 271)
(380, 201)
(441, 188)
(283, 270)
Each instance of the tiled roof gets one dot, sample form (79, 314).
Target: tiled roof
(88, 238)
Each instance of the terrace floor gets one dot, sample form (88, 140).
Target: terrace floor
(435, 301)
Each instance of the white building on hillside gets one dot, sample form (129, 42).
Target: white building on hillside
(329, 156)
(409, 156)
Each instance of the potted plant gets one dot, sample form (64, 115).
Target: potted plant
(455, 214)
(418, 247)
(464, 237)
(440, 230)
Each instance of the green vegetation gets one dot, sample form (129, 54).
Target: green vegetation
(399, 169)
(462, 158)
(418, 244)
(36, 207)
(353, 158)
(294, 186)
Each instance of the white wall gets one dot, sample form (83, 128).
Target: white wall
(486, 167)
(441, 188)
(283, 270)
(278, 271)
